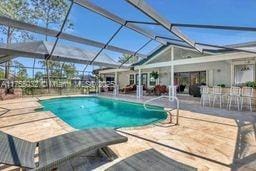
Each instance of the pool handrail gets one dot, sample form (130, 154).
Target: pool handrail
(170, 99)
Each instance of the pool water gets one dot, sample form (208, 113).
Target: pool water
(95, 112)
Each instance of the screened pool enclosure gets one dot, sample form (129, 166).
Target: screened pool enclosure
(58, 47)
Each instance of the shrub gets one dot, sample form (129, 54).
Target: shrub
(251, 84)
(222, 85)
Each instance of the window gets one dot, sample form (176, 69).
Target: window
(203, 77)
(152, 80)
(244, 73)
(110, 79)
(131, 79)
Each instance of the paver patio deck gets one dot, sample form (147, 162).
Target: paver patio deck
(206, 138)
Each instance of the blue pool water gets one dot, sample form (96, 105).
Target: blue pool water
(93, 112)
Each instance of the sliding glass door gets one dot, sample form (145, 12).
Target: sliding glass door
(184, 80)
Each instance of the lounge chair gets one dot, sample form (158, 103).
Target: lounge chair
(149, 160)
(56, 150)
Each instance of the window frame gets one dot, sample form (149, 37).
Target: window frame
(131, 79)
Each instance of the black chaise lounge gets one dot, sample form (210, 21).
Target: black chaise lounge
(149, 160)
(56, 150)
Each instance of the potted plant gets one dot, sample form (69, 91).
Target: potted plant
(154, 75)
(100, 78)
(222, 85)
(251, 84)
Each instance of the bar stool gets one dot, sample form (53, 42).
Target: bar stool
(205, 95)
(247, 94)
(234, 95)
(217, 93)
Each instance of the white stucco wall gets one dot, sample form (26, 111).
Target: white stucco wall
(123, 78)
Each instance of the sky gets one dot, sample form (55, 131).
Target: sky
(219, 12)
(216, 12)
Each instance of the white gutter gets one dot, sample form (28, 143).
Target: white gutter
(204, 59)
(107, 71)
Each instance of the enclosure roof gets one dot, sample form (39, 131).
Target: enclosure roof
(41, 49)
(131, 29)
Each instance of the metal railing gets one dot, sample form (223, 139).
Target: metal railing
(170, 99)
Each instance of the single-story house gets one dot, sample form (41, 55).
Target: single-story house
(215, 67)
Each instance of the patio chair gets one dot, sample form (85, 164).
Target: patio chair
(234, 95)
(129, 88)
(163, 89)
(247, 94)
(217, 94)
(205, 96)
(149, 160)
(56, 150)
(160, 89)
(11, 93)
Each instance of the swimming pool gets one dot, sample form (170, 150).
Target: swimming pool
(95, 112)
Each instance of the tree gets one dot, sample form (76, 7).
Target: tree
(39, 75)
(51, 12)
(69, 70)
(18, 10)
(128, 59)
(54, 67)
(21, 70)
(1, 73)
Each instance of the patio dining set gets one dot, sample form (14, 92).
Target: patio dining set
(240, 97)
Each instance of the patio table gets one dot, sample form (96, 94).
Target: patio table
(150, 91)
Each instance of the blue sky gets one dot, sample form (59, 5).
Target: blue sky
(220, 12)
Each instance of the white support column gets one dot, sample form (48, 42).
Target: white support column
(99, 86)
(158, 79)
(172, 92)
(116, 77)
(172, 88)
(139, 89)
(116, 86)
(211, 78)
(232, 75)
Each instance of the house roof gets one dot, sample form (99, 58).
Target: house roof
(41, 49)
(151, 55)
(248, 46)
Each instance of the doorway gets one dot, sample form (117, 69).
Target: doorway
(184, 80)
